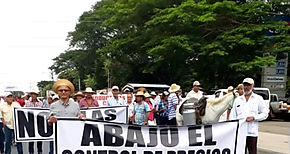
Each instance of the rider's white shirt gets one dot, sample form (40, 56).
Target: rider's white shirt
(197, 95)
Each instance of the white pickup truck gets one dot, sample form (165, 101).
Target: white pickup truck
(277, 109)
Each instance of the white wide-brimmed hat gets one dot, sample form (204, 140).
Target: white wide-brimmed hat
(34, 91)
(153, 93)
(174, 88)
(89, 90)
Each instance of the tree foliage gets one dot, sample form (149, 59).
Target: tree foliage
(174, 41)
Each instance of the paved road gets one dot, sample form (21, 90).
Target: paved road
(274, 137)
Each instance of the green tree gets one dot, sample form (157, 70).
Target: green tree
(167, 41)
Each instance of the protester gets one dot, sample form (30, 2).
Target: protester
(151, 120)
(88, 101)
(163, 110)
(78, 96)
(34, 102)
(230, 89)
(173, 101)
(51, 100)
(20, 100)
(181, 93)
(130, 104)
(195, 92)
(141, 110)
(47, 102)
(65, 107)
(115, 100)
(26, 98)
(6, 114)
(103, 92)
(251, 107)
(155, 99)
(240, 89)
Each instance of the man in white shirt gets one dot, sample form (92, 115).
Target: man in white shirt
(115, 100)
(251, 107)
(6, 115)
(195, 92)
(155, 99)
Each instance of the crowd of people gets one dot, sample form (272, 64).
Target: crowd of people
(144, 107)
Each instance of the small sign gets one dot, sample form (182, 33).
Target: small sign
(281, 64)
(275, 79)
(280, 71)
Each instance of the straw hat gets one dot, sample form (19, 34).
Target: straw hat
(89, 90)
(174, 88)
(63, 82)
(146, 95)
(140, 93)
(79, 94)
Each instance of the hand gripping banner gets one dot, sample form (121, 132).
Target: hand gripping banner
(31, 123)
(92, 137)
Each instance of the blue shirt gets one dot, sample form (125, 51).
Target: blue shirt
(140, 111)
(161, 105)
(172, 101)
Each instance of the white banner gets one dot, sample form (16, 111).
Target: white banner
(92, 137)
(102, 99)
(31, 123)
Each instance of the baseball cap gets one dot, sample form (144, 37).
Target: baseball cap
(55, 97)
(196, 83)
(248, 80)
(8, 94)
(115, 88)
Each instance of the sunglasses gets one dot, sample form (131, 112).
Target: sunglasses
(63, 90)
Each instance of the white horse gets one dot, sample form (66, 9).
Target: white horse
(213, 110)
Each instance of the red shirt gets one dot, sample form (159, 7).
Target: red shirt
(21, 102)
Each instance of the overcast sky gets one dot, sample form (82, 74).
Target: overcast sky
(32, 33)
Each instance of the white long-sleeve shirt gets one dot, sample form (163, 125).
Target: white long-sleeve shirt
(255, 107)
(194, 94)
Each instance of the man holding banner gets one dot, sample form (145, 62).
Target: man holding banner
(65, 107)
(251, 107)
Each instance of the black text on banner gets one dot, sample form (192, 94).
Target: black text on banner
(31, 123)
(91, 137)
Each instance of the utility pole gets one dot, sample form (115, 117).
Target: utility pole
(79, 84)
